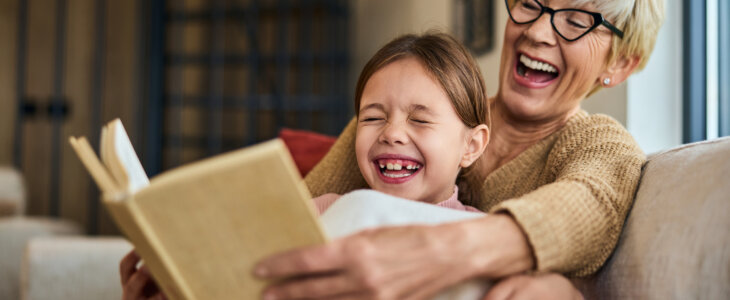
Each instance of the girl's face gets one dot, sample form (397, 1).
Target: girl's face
(410, 142)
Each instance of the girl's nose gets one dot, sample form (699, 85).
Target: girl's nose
(394, 134)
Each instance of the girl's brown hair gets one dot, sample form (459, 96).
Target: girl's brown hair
(457, 72)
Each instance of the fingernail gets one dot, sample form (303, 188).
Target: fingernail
(261, 272)
(269, 296)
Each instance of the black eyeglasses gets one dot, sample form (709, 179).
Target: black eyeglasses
(571, 24)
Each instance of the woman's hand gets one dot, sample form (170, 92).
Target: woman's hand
(137, 283)
(408, 262)
(384, 263)
(543, 286)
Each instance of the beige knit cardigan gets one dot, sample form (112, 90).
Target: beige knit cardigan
(570, 192)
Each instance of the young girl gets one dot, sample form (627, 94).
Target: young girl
(422, 119)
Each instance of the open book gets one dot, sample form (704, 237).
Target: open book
(201, 228)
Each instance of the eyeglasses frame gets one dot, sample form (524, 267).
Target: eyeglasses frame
(598, 20)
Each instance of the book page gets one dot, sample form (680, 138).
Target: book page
(98, 171)
(105, 153)
(127, 157)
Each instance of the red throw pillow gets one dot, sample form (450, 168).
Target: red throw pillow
(306, 147)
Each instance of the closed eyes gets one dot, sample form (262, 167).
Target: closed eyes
(371, 119)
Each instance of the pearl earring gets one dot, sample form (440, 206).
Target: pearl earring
(606, 81)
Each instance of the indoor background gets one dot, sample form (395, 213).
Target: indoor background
(193, 78)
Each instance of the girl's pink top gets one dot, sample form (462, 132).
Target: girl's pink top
(323, 202)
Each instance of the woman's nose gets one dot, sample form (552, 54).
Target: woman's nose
(394, 134)
(541, 31)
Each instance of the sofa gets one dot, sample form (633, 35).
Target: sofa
(675, 243)
(17, 229)
(676, 240)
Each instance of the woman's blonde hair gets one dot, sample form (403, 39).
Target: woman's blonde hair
(640, 21)
(457, 72)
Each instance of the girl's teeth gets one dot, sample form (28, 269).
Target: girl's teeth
(395, 166)
(396, 175)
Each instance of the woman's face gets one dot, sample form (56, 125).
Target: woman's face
(543, 76)
(410, 141)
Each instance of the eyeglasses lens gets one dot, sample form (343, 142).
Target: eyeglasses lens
(571, 24)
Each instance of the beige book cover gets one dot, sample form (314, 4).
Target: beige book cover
(202, 227)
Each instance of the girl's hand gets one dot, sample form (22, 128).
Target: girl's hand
(137, 283)
(543, 286)
(406, 262)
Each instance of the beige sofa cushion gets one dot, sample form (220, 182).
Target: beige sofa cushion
(12, 192)
(73, 268)
(15, 232)
(676, 241)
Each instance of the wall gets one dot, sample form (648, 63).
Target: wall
(654, 115)
(8, 68)
(68, 191)
(376, 22)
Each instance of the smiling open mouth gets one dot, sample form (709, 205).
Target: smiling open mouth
(536, 71)
(397, 168)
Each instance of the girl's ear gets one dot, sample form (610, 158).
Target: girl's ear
(477, 140)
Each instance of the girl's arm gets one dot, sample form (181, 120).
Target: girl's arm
(137, 283)
(550, 286)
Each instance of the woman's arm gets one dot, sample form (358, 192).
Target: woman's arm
(406, 262)
(573, 223)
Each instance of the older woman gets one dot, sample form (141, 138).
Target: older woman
(558, 182)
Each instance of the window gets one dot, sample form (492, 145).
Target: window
(706, 81)
(724, 66)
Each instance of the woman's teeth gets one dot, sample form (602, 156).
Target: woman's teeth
(536, 65)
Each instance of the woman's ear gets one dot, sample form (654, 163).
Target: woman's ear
(477, 140)
(618, 70)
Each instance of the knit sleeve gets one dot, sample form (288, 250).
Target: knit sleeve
(573, 223)
(337, 172)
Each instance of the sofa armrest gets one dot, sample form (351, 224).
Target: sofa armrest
(73, 268)
(676, 240)
(12, 192)
(15, 232)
